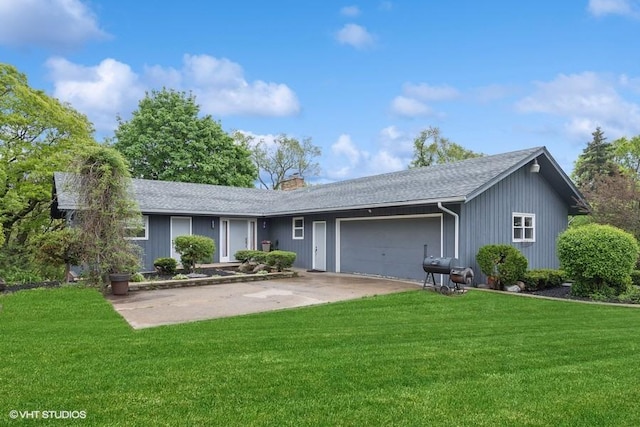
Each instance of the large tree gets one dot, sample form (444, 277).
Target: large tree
(167, 140)
(626, 153)
(283, 157)
(38, 136)
(431, 148)
(597, 159)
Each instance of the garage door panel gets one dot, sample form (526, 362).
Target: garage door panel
(388, 247)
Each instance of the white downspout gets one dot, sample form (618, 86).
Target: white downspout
(456, 227)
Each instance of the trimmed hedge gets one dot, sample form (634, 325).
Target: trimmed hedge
(281, 259)
(194, 249)
(245, 255)
(166, 265)
(504, 262)
(599, 257)
(544, 278)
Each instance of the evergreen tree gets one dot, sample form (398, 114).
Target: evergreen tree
(597, 159)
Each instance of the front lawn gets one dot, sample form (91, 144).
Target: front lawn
(414, 358)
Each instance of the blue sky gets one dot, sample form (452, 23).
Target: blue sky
(361, 79)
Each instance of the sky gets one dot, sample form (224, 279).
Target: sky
(360, 78)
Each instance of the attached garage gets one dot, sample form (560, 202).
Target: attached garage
(387, 246)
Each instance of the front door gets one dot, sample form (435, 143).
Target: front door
(180, 226)
(235, 235)
(319, 245)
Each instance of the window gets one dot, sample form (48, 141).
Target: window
(298, 228)
(140, 230)
(524, 227)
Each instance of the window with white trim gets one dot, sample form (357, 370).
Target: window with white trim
(139, 230)
(298, 228)
(524, 227)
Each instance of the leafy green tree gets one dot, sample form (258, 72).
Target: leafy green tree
(38, 136)
(167, 140)
(285, 157)
(439, 150)
(596, 159)
(60, 247)
(627, 155)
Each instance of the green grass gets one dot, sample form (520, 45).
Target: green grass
(415, 358)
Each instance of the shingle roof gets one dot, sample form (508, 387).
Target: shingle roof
(459, 182)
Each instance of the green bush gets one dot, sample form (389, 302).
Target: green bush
(503, 262)
(281, 259)
(536, 280)
(631, 296)
(251, 255)
(599, 257)
(165, 265)
(635, 277)
(137, 277)
(194, 249)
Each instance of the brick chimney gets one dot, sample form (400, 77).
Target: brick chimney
(293, 182)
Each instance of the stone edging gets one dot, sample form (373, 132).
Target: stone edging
(205, 281)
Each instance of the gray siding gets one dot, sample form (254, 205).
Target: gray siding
(279, 230)
(158, 243)
(487, 219)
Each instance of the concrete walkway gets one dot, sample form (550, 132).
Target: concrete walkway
(145, 309)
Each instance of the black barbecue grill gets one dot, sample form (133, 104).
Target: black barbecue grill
(449, 266)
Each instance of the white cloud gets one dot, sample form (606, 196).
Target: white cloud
(356, 36)
(585, 101)
(409, 107)
(384, 161)
(350, 11)
(54, 24)
(112, 87)
(414, 98)
(100, 91)
(345, 147)
(391, 133)
(493, 92)
(427, 92)
(347, 160)
(628, 8)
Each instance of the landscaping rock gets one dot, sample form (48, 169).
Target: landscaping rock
(513, 288)
(261, 267)
(521, 285)
(247, 267)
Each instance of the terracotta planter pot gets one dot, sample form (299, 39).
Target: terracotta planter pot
(119, 283)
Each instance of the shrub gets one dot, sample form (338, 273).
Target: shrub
(635, 277)
(543, 278)
(281, 259)
(137, 277)
(251, 255)
(504, 262)
(194, 249)
(632, 295)
(180, 277)
(165, 265)
(598, 257)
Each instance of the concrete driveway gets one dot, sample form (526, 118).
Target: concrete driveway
(143, 309)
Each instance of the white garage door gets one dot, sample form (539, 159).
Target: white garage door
(388, 246)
